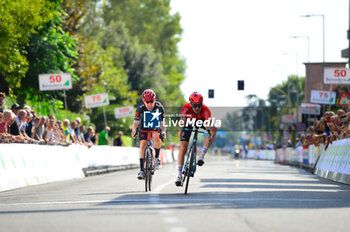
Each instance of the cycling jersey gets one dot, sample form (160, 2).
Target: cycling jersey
(141, 108)
(188, 112)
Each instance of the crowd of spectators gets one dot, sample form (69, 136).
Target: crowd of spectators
(332, 126)
(23, 125)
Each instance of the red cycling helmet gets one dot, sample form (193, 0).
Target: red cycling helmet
(196, 98)
(148, 95)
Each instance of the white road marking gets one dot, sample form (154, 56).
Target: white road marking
(160, 188)
(171, 220)
(177, 229)
(172, 200)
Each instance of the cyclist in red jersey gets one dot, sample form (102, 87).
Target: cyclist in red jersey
(195, 109)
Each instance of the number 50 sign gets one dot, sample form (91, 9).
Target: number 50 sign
(55, 81)
(337, 76)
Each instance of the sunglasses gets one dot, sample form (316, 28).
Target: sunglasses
(198, 105)
(150, 101)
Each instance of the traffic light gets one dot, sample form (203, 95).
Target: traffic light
(211, 93)
(240, 85)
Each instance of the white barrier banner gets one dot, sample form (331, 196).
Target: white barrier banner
(336, 158)
(30, 164)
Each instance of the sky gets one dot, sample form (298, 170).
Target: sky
(228, 40)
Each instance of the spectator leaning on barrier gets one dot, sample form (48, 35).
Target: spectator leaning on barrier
(94, 137)
(60, 130)
(103, 136)
(65, 127)
(90, 136)
(73, 136)
(15, 108)
(50, 135)
(10, 118)
(39, 130)
(5, 119)
(2, 98)
(77, 130)
(119, 140)
(36, 124)
(329, 128)
(3, 129)
(22, 121)
(29, 120)
(81, 133)
(13, 126)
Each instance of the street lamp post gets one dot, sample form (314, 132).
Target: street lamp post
(308, 44)
(297, 87)
(323, 30)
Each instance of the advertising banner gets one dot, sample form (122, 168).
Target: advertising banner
(59, 81)
(96, 100)
(336, 76)
(322, 97)
(123, 112)
(311, 109)
(288, 118)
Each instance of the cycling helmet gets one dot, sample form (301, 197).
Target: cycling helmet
(148, 95)
(196, 98)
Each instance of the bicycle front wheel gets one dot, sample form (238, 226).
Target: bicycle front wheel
(192, 154)
(148, 168)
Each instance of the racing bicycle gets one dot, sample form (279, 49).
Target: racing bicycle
(149, 158)
(191, 162)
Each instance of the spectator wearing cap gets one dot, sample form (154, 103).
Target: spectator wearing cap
(2, 98)
(119, 140)
(15, 108)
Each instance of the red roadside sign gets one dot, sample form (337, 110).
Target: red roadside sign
(343, 100)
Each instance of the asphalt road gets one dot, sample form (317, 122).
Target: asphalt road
(225, 195)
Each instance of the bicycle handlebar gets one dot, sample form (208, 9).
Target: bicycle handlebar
(199, 130)
(150, 131)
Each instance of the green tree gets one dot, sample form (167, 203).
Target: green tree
(152, 24)
(18, 21)
(50, 50)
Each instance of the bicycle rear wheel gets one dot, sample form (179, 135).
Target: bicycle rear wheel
(189, 167)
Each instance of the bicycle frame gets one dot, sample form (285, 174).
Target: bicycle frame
(191, 163)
